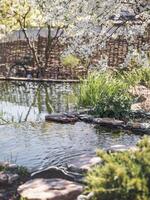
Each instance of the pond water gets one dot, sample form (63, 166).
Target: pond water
(25, 138)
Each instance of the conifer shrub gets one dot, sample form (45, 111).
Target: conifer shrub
(123, 176)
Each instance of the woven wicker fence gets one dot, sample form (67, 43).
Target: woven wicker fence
(10, 52)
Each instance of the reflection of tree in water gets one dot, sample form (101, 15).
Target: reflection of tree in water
(44, 96)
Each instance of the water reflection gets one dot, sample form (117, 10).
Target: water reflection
(37, 144)
(20, 101)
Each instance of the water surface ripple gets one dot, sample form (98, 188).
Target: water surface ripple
(37, 144)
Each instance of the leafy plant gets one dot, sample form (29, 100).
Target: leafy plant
(123, 176)
(108, 95)
(70, 61)
(136, 76)
(23, 172)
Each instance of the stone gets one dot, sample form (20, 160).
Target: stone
(117, 148)
(12, 178)
(140, 114)
(7, 178)
(109, 122)
(143, 95)
(55, 172)
(139, 127)
(134, 148)
(4, 164)
(12, 167)
(136, 107)
(75, 169)
(85, 111)
(86, 197)
(84, 164)
(3, 179)
(50, 189)
(121, 148)
(61, 118)
(2, 195)
(86, 118)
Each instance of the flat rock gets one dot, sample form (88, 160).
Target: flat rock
(50, 189)
(61, 118)
(86, 118)
(140, 127)
(4, 164)
(7, 178)
(84, 163)
(108, 122)
(117, 148)
(86, 197)
(12, 178)
(3, 179)
(55, 172)
(120, 148)
(12, 167)
(140, 114)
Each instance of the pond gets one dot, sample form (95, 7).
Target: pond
(25, 137)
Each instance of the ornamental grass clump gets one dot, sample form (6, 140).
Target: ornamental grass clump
(107, 95)
(123, 176)
(136, 76)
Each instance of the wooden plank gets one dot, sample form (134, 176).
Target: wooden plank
(39, 80)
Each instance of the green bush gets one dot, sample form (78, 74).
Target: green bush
(137, 76)
(108, 95)
(70, 61)
(123, 176)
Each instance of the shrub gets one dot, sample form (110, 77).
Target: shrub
(70, 61)
(108, 95)
(137, 76)
(123, 176)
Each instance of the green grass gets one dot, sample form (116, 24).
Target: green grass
(108, 94)
(136, 76)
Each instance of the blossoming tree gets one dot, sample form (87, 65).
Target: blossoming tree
(99, 20)
(83, 25)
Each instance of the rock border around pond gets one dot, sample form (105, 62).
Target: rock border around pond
(11, 176)
(53, 184)
(50, 189)
(72, 118)
(65, 183)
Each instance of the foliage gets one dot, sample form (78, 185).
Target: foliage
(23, 172)
(16, 11)
(87, 25)
(137, 76)
(108, 95)
(70, 61)
(123, 176)
(137, 59)
(2, 168)
(20, 170)
(100, 20)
